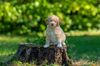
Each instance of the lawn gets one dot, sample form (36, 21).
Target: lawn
(83, 50)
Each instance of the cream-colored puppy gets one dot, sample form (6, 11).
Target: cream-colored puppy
(54, 33)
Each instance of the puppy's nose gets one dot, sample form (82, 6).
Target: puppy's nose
(51, 24)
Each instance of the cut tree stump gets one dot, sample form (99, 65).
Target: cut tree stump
(39, 55)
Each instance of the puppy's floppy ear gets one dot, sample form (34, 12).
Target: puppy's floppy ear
(58, 22)
(46, 21)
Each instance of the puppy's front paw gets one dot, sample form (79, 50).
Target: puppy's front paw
(59, 45)
(46, 45)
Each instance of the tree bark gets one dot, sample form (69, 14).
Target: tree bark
(30, 53)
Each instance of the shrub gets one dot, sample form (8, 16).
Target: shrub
(27, 17)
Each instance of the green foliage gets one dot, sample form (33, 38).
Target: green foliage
(23, 17)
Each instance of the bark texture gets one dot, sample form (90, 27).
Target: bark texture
(41, 55)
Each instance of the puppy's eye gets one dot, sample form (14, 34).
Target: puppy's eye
(50, 20)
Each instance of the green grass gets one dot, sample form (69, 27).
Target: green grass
(82, 49)
(85, 47)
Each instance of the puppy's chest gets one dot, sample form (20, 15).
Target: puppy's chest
(52, 36)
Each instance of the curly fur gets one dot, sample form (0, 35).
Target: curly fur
(54, 33)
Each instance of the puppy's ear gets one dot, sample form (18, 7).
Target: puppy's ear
(58, 22)
(46, 21)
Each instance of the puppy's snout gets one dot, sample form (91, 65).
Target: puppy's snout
(52, 24)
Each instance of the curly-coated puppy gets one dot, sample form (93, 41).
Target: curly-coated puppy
(54, 33)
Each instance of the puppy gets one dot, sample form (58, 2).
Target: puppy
(54, 33)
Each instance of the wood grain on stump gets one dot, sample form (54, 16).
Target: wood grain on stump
(30, 53)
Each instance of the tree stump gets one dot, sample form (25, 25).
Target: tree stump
(30, 53)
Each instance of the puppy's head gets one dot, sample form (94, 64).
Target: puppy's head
(53, 21)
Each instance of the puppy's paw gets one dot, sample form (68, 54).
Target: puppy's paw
(59, 45)
(46, 45)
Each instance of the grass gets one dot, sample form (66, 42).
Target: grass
(85, 47)
(83, 50)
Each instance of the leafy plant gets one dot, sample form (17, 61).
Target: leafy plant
(19, 17)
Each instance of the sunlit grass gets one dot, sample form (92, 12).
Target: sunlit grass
(86, 63)
(84, 33)
(11, 39)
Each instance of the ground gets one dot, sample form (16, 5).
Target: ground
(83, 50)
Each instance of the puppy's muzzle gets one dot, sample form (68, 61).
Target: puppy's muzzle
(52, 24)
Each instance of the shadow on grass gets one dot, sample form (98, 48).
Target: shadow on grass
(84, 47)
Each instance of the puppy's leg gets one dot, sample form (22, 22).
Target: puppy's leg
(47, 43)
(59, 43)
(64, 44)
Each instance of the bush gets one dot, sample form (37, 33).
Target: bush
(27, 17)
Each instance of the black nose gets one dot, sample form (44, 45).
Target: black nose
(51, 24)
